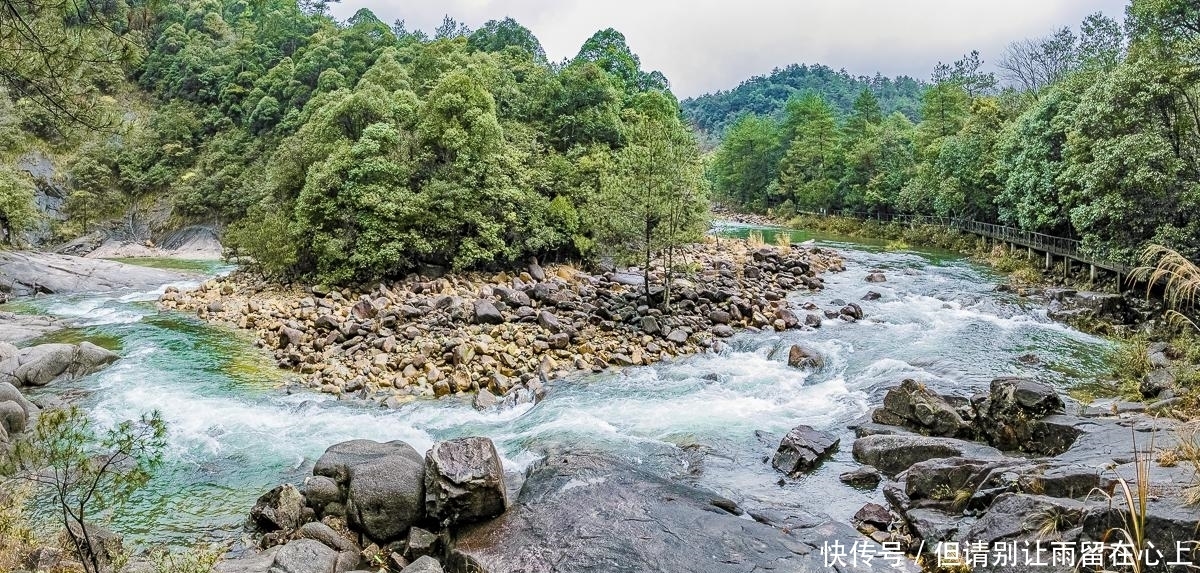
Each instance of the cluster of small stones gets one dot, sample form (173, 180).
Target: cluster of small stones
(504, 335)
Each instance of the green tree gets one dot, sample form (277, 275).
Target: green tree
(496, 35)
(82, 471)
(944, 108)
(1133, 149)
(17, 213)
(747, 163)
(810, 168)
(607, 49)
(653, 199)
(879, 166)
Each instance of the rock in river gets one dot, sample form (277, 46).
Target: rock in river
(25, 273)
(46, 363)
(383, 485)
(571, 507)
(464, 481)
(802, 449)
(893, 454)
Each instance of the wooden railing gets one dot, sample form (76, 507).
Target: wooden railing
(1058, 246)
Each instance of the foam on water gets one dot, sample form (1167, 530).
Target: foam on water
(233, 435)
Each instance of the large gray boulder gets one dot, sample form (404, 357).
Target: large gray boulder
(298, 556)
(16, 412)
(1011, 414)
(16, 328)
(383, 485)
(46, 363)
(802, 449)
(582, 513)
(912, 405)
(893, 454)
(281, 509)
(464, 481)
(305, 556)
(25, 273)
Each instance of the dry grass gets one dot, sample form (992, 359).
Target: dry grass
(199, 559)
(1181, 277)
(1188, 451)
(1135, 495)
(16, 536)
(783, 240)
(755, 239)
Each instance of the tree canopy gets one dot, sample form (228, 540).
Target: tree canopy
(1091, 135)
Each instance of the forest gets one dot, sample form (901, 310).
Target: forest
(768, 95)
(343, 151)
(1091, 134)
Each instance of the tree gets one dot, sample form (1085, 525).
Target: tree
(1134, 149)
(879, 165)
(496, 35)
(17, 213)
(607, 49)
(62, 55)
(810, 169)
(652, 199)
(1033, 64)
(863, 113)
(967, 74)
(943, 111)
(82, 471)
(747, 163)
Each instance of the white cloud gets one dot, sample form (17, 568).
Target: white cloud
(707, 45)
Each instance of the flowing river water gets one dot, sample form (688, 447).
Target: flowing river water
(233, 433)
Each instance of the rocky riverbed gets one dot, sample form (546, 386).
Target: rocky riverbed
(503, 335)
(1004, 481)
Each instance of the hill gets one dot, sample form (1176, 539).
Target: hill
(766, 95)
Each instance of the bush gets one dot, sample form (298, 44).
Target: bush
(17, 212)
(265, 237)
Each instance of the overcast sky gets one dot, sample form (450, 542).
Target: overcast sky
(708, 45)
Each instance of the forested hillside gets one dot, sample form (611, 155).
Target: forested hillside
(347, 151)
(1094, 135)
(768, 95)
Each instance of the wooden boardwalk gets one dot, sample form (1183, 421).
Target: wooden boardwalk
(1042, 244)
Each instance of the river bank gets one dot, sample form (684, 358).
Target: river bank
(705, 421)
(505, 335)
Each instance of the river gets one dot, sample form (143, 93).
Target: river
(233, 433)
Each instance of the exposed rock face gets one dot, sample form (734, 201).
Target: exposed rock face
(281, 509)
(802, 449)
(464, 481)
(1078, 307)
(46, 363)
(1010, 417)
(16, 328)
(564, 520)
(424, 564)
(893, 454)
(25, 273)
(298, 556)
(382, 485)
(912, 405)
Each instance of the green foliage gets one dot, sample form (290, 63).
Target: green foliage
(81, 471)
(1097, 139)
(746, 164)
(810, 169)
(17, 213)
(654, 199)
(768, 95)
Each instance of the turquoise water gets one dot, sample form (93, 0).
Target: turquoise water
(234, 433)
